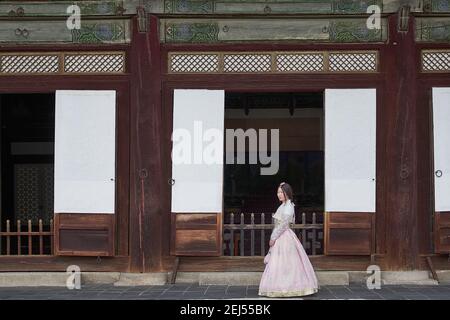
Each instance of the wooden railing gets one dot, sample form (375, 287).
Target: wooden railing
(244, 236)
(26, 239)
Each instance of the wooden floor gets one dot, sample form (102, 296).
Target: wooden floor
(220, 264)
(198, 264)
(341, 263)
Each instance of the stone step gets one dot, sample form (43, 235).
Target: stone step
(253, 278)
(443, 275)
(395, 277)
(58, 279)
(407, 277)
(333, 278)
(141, 279)
(33, 279)
(429, 282)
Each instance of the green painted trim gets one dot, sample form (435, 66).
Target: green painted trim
(192, 32)
(349, 30)
(59, 8)
(189, 6)
(353, 31)
(269, 6)
(433, 30)
(102, 32)
(103, 8)
(436, 6)
(355, 7)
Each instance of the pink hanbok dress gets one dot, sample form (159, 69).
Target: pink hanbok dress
(288, 271)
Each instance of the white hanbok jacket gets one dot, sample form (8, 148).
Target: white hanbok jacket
(283, 217)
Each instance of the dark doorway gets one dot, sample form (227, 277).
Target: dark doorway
(299, 117)
(27, 165)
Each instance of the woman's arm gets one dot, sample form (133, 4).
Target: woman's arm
(279, 229)
(284, 223)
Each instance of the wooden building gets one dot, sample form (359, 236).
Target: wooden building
(87, 116)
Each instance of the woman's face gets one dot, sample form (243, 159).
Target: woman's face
(280, 195)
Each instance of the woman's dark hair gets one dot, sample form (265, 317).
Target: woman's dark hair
(287, 190)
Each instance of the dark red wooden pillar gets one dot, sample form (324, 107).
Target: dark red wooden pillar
(145, 150)
(400, 116)
(425, 165)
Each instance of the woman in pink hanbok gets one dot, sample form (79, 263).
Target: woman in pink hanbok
(288, 271)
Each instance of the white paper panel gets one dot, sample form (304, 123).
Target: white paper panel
(198, 185)
(350, 150)
(85, 151)
(441, 120)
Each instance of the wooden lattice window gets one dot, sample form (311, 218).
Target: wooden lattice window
(247, 63)
(436, 61)
(300, 62)
(94, 63)
(353, 62)
(62, 63)
(195, 63)
(29, 63)
(272, 62)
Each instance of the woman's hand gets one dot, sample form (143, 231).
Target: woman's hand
(271, 242)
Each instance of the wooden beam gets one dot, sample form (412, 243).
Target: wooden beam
(249, 264)
(439, 262)
(173, 277)
(60, 264)
(433, 272)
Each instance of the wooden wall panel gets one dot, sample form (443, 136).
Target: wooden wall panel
(349, 233)
(84, 234)
(442, 232)
(196, 234)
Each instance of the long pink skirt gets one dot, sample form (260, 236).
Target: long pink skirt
(288, 271)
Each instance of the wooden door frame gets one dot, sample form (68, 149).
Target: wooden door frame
(273, 83)
(400, 207)
(428, 220)
(49, 84)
